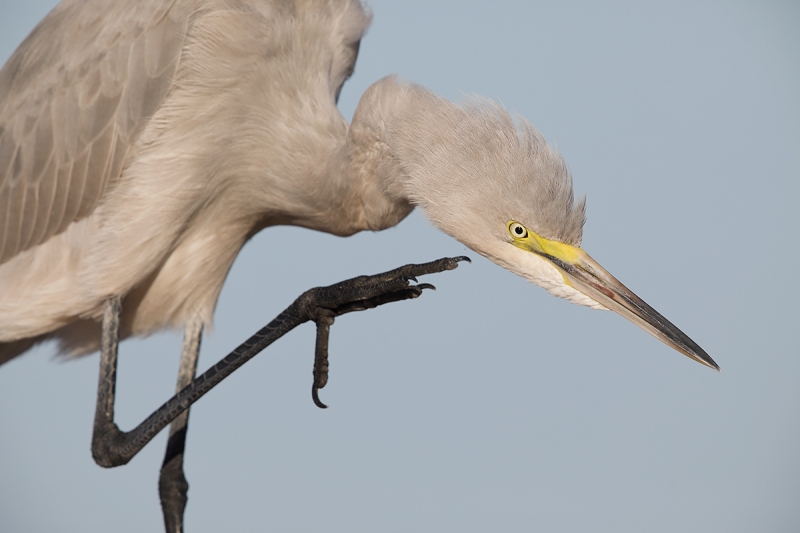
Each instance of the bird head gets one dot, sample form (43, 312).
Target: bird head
(499, 188)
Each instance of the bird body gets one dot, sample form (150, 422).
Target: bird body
(216, 129)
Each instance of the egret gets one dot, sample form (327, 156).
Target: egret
(143, 143)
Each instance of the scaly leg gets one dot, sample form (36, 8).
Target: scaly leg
(113, 447)
(172, 484)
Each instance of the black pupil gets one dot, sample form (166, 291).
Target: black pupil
(518, 230)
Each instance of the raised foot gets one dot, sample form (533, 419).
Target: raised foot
(357, 294)
(113, 447)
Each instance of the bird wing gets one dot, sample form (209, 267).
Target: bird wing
(74, 98)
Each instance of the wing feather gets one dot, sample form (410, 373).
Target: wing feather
(5, 213)
(60, 198)
(74, 98)
(42, 144)
(46, 202)
(77, 184)
(29, 209)
(16, 206)
(96, 167)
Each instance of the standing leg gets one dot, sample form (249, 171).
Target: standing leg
(172, 484)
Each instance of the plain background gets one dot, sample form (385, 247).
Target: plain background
(489, 405)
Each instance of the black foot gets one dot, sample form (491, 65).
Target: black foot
(358, 294)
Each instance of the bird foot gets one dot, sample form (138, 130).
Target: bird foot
(324, 304)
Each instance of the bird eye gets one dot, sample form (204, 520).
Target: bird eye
(517, 230)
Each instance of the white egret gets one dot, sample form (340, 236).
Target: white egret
(143, 143)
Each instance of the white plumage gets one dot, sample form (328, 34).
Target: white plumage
(143, 143)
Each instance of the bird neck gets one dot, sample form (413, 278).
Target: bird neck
(370, 161)
(382, 147)
(399, 138)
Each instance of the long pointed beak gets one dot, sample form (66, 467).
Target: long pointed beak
(586, 275)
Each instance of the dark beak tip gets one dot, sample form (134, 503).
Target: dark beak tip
(707, 361)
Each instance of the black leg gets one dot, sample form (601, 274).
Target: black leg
(172, 484)
(104, 427)
(113, 447)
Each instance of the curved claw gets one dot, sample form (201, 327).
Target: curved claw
(315, 397)
(372, 291)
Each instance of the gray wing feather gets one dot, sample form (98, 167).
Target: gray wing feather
(74, 98)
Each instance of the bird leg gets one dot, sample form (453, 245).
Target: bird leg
(113, 447)
(172, 484)
(105, 429)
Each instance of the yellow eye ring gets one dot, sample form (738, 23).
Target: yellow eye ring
(517, 230)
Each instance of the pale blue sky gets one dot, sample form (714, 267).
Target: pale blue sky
(490, 405)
